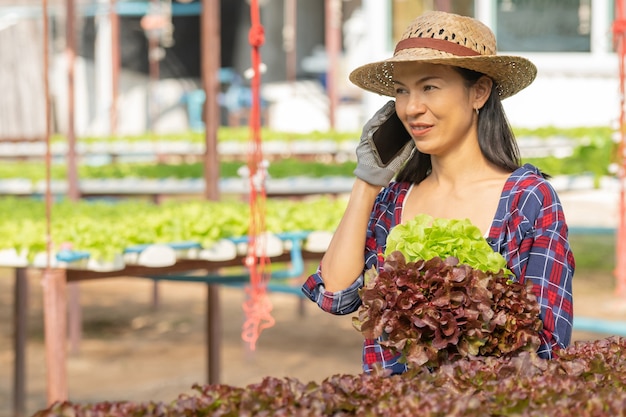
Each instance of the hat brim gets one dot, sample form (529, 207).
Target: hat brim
(510, 73)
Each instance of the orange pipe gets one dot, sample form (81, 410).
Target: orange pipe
(619, 33)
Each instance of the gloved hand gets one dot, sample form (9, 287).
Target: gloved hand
(370, 166)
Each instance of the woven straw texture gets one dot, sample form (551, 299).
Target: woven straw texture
(510, 73)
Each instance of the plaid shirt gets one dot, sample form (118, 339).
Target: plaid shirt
(529, 230)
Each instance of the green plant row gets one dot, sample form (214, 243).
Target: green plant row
(104, 228)
(285, 168)
(239, 134)
(595, 153)
(107, 228)
(592, 156)
(243, 134)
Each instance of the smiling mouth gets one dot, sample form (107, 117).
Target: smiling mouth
(420, 129)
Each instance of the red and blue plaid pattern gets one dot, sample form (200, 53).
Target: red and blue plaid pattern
(529, 230)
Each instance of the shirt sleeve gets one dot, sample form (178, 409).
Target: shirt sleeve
(545, 258)
(381, 219)
(339, 302)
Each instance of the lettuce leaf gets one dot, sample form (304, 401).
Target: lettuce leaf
(425, 237)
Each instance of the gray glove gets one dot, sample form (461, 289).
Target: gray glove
(383, 133)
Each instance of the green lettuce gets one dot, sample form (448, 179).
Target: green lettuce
(425, 237)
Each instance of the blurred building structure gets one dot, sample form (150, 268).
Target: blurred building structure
(569, 40)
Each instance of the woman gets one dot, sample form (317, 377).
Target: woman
(461, 161)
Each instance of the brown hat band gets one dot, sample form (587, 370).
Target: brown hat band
(438, 44)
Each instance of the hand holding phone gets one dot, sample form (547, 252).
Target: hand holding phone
(384, 147)
(390, 138)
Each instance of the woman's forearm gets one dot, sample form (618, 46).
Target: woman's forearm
(344, 259)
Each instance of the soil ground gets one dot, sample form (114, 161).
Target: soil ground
(132, 351)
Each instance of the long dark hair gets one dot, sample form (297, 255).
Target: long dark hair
(495, 137)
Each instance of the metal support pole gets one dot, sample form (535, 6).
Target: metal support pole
(74, 317)
(20, 328)
(213, 334)
(619, 33)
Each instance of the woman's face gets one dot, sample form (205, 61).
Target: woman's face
(435, 106)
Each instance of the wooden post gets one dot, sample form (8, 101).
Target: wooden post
(70, 54)
(55, 332)
(290, 37)
(73, 191)
(153, 74)
(53, 281)
(210, 56)
(115, 64)
(333, 49)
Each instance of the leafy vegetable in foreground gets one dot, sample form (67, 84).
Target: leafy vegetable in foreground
(443, 294)
(587, 379)
(438, 311)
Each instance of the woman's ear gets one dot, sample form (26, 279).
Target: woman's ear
(482, 90)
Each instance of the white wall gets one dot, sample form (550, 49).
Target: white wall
(569, 91)
(565, 101)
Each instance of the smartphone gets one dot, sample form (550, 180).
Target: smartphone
(390, 138)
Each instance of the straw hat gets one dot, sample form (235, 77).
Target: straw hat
(446, 38)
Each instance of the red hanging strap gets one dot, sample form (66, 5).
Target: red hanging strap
(257, 306)
(619, 37)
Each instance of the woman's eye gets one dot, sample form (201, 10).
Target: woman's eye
(400, 91)
(429, 87)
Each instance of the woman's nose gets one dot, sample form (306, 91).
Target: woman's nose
(414, 105)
